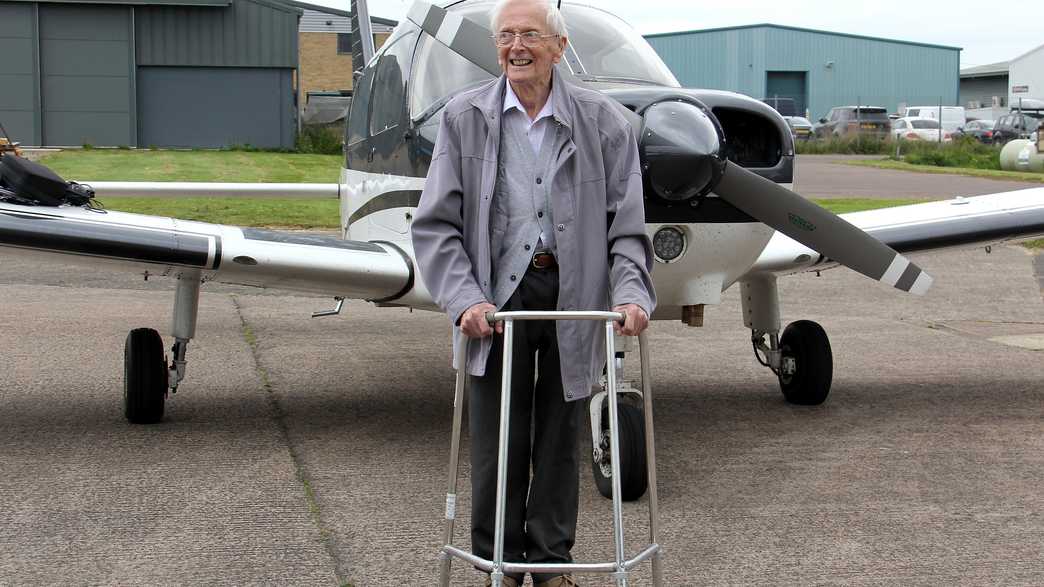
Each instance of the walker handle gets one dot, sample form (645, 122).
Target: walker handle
(493, 317)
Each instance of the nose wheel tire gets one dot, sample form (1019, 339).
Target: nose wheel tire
(144, 377)
(807, 364)
(634, 474)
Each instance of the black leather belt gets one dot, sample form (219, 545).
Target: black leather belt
(544, 260)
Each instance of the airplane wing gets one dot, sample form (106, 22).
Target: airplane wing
(976, 221)
(153, 245)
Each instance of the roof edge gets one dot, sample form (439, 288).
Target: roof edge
(1033, 50)
(804, 30)
(339, 12)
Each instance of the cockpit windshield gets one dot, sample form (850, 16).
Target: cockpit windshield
(606, 47)
(609, 48)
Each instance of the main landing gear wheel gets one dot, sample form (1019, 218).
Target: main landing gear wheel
(807, 365)
(144, 377)
(634, 474)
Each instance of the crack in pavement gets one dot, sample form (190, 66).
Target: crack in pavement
(326, 535)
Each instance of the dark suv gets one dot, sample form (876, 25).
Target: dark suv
(854, 120)
(1014, 126)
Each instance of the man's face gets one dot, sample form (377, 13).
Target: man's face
(528, 65)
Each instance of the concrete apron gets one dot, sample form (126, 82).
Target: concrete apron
(316, 455)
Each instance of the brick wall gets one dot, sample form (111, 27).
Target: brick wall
(322, 69)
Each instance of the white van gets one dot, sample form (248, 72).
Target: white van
(952, 116)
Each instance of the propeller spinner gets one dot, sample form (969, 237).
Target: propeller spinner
(682, 151)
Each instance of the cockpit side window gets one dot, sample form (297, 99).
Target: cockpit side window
(443, 75)
(389, 85)
(355, 130)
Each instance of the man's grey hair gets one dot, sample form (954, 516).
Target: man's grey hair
(555, 21)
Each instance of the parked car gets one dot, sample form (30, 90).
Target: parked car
(918, 129)
(853, 120)
(980, 130)
(952, 116)
(800, 127)
(1014, 126)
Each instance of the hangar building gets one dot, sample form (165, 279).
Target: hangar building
(171, 73)
(817, 69)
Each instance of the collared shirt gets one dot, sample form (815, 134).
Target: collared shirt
(535, 127)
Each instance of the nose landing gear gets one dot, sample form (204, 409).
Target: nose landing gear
(801, 358)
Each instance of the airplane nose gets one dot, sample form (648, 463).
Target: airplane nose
(682, 150)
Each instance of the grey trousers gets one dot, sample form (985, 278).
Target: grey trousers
(541, 510)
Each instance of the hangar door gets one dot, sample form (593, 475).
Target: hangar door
(85, 69)
(216, 107)
(17, 75)
(788, 84)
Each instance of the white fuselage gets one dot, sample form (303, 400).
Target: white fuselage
(717, 254)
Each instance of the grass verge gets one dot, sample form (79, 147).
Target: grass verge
(968, 171)
(845, 205)
(212, 166)
(853, 145)
(303, 213)
(287, 213)
(308, 213)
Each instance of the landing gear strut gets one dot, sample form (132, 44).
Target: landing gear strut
(801, 358)
(146, 375)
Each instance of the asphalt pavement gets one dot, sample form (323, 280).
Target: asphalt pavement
(313, 451)
(827, 176)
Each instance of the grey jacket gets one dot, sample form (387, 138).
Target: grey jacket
(604, 255)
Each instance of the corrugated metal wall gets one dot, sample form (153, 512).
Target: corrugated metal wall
(840, 69)
(1027, 73)
(88, 75)
(983, 89)
(19, 100)
(249, 33)
(69, 70)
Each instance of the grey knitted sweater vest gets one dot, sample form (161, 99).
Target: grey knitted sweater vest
(522, 205)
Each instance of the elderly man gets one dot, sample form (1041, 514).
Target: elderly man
(533, 202)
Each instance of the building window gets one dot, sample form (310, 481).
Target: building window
(344, 43)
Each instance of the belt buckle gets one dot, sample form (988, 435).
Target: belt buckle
(546, 260)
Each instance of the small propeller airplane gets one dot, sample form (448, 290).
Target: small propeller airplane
(718, 168)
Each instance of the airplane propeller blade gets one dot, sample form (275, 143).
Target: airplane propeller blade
(464, 36)
(682, 150)
(819, 229)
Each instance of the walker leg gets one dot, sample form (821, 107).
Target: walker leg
(497, 576)
(445, 560)
(445, 566)
(650, 459)
(614, 451)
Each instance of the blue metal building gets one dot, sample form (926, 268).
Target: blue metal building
(818, 69)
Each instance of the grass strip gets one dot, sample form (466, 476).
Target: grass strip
(281, 212)
(846, 205)
(313, 213)
(967, 171)
(209, 166)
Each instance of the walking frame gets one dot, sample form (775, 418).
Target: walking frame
(621, 566)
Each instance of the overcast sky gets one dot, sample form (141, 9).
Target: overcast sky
(986, 31)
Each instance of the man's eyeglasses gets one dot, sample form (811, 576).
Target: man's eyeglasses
(529, 39)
